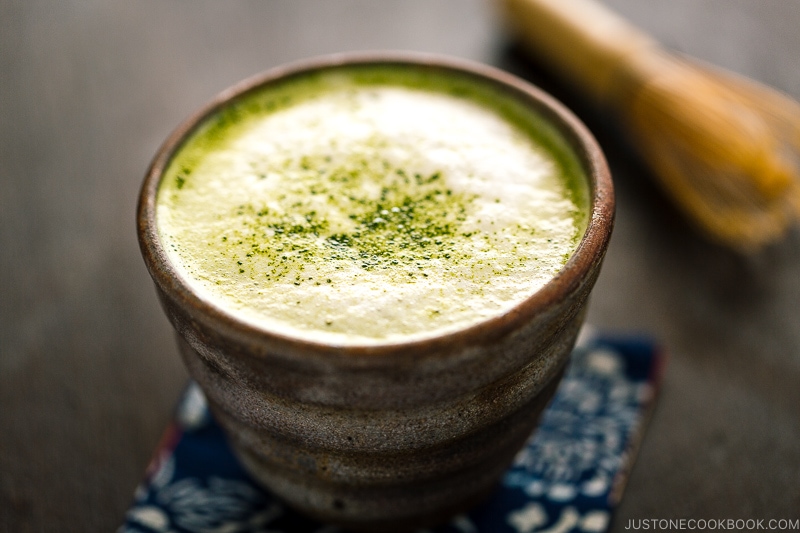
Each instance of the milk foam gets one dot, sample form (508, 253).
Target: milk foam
(367, 214)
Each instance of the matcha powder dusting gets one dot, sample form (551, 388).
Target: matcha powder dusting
(359, 213)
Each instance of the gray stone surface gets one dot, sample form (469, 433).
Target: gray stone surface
(88, 368)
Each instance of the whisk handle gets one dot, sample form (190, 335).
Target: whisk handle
(581, 39)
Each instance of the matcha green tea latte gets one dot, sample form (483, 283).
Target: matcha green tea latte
(371, 205)
(377, 266)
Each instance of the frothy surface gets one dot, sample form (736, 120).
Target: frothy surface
(360, 213)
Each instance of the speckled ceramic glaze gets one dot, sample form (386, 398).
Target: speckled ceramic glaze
(395, 436)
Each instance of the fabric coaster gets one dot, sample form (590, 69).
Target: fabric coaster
(569, 477)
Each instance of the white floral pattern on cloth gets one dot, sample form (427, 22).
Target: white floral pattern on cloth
(568, 478)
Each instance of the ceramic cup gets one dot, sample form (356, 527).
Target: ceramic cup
(395, 436)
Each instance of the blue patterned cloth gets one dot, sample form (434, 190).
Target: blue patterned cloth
(569, 477)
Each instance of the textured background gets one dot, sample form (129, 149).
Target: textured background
(88, 369)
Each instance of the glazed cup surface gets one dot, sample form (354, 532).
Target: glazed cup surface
(387, 436)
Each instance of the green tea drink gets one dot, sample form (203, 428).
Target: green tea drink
(369, 205)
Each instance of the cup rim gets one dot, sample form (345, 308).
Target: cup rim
(587, 255)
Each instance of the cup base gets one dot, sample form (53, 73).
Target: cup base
(395, 505)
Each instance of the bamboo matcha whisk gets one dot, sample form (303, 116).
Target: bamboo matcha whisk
(725, 148)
